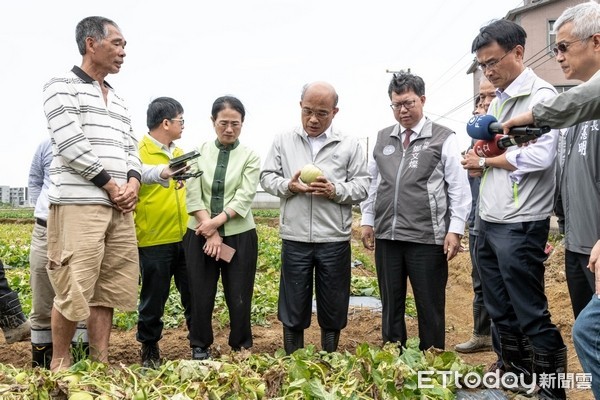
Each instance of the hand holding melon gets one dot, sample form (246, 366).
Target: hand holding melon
(309, 173)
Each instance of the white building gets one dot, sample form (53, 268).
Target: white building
(15, 196)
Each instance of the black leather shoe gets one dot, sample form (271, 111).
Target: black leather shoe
(150, 355)
(200, 353)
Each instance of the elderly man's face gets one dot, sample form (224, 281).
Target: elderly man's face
(577, 61)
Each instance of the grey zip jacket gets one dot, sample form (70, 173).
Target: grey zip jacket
(314, 219)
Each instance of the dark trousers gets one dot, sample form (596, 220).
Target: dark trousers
(331, 265)
(511, 263)
(482, 325)
(237, 278)
(426, 267)
(4, 288)
(486, 325)
(158, 264)
(580, 280)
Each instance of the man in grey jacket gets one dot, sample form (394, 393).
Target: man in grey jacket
(316, 218)
(579, 195)
(578, 51)
(515, 204)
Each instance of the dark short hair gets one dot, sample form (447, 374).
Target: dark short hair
(404, 82)
(506, 33)
(91, 27)
(160, 109)
(224, 102)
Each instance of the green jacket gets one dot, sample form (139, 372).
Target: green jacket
(229, 179)
(160, 216)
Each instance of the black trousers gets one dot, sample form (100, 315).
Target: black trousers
(580, 280)
(487, 326)
(482, 326)
(331, 265)
(426, 267)
(237, 278)
(158, 264)
(511, 263)
(4, 288)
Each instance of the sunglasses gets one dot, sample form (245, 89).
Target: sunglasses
(563, 47)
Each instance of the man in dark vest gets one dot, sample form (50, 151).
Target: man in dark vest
(415, 216)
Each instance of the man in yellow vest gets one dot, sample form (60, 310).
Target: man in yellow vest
(160, 222)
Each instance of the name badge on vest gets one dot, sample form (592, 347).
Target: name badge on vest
(389, 149)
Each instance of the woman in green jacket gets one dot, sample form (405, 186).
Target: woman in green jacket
(218, 203)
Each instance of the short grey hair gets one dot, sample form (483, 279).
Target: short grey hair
(333, 92)
(94, 27)
(585, 18)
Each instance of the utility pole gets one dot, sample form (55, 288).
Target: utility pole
(401, 71)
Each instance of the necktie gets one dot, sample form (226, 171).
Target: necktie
(406, 141)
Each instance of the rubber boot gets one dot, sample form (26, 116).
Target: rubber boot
(481, 339)
(329, 340)
(517, 355)
(80, 344)
(481, 321)
(292, 340)
(476, 343)
(41, 355)
(41, 347)
(549, 368)
(14, 323)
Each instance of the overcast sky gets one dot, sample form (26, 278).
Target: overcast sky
(261, 51)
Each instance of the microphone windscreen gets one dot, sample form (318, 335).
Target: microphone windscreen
(488, 148)
(478, 127)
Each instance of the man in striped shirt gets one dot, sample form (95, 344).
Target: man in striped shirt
(95, 176)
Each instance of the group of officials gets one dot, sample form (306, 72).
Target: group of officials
(414, 196)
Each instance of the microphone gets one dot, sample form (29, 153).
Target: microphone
(498, 145)
(486, 127)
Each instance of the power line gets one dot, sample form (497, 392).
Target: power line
(532, 62)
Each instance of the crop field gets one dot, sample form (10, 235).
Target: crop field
(362, 369)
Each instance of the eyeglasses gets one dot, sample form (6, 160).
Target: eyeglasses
(181, 120)
(408, 104)
(492, 64)
(563, 47)
(321, 114)
(225, 124)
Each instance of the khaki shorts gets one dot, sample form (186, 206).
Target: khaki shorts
(93, 259)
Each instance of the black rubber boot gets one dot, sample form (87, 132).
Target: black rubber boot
(517, 355)
(481, 321)
(14, 323)
(329, 340)
(550, 365)
(292, 340)
(41, 355)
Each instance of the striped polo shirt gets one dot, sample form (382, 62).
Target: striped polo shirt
(92, 141)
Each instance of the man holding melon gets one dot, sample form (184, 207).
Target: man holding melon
(318, 174)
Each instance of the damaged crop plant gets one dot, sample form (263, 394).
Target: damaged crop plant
(370, 372)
